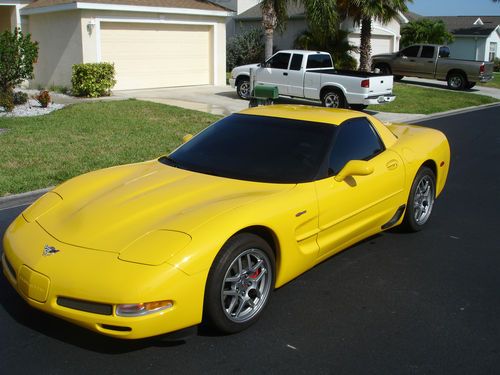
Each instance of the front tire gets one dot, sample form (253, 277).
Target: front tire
(421, 200)
(358, 107)
(239, 284)
(333, 99)
(243, 88)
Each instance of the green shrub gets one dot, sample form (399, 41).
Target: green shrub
(245, 48)
(43, 98)
(20, 97)
(93, 80)
(496, 66)
(7, 100)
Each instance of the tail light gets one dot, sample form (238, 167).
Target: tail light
(365, 83)
(482, 68)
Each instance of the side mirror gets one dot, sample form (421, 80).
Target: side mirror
(354, 168)
(186, 138)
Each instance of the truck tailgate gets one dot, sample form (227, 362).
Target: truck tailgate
(380, 85)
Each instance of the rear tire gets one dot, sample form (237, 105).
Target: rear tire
(398, 78)
(333, 98)
(471, 85)
(456, 81)
(421, 200)
(239, 283)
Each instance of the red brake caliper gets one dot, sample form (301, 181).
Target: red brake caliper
(255, 274)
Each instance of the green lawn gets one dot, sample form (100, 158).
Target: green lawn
(36, 152)
(414, 99)
(495, 82)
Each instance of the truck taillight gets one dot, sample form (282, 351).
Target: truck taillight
(365, 83)
(482, 68)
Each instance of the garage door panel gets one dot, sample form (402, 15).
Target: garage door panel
(152, 55)
(381, 44)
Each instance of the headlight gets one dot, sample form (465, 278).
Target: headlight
(155, 247)
(42, 205)
(139, 309)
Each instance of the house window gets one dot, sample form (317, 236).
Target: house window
(493, 51)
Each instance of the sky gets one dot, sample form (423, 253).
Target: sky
(455, 7)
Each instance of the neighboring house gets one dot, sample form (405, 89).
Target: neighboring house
(385, 37)
(476, 37)
(153, 43)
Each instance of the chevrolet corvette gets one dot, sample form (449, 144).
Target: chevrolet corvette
(206, 233)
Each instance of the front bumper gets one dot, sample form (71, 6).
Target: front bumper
(379, 99)
(94, 282)
(232, 82)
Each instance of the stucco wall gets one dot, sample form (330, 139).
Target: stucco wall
(59, 39)
(91, 43)
(465, 48)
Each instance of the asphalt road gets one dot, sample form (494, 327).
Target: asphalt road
(424, 303)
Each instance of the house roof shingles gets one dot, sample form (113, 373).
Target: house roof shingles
(188, 4)
(463, 25)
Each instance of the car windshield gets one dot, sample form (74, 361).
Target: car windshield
(257, 148)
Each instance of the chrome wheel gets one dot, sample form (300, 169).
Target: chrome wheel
(456, 82)
(244, 89)
(333, 99)
(423, 200)
(246, 285)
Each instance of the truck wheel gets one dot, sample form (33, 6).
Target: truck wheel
(333, 99)
(398, 78)
(471, 84)
(384, 69)
(243, 88)
(456, 81)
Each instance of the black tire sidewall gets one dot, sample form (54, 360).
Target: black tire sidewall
(409, 221)
(462, 86)
(342, 100)
(213, 313)
(238, 87)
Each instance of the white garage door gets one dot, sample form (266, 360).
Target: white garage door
(381, 44)
(152, 55)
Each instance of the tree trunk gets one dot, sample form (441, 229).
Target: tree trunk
(365, 48)
(269, 22)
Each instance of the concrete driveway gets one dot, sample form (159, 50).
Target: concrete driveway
(223, 100)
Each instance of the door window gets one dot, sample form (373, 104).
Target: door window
(296, 61)
(319, 61)
(356, 140)
(410, 51)
(279, 61)
(427, 52)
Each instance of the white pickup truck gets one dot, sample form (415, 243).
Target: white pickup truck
(311, 75)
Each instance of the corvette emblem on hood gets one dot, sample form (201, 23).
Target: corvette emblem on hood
(49, 250)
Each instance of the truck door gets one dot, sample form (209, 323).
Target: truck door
(404, 63)
(295, 80)
(275, 72)
(425, 62)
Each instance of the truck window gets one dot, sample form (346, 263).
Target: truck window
(319, 61)
(296, 61)
(427, 52)
(279, 61)
(410, 51)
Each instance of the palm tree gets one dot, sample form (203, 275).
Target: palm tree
(321, 16)
(362, 12)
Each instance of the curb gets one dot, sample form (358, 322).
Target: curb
(454, 112)
(22, 199)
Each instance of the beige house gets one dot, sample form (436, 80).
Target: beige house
(153, 43)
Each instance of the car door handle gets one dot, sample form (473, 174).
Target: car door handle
(285, 73)
(392, 164)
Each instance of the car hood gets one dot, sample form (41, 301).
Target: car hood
(244, 68)
(108, 209)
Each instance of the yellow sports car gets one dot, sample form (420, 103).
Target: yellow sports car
(207, 232)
